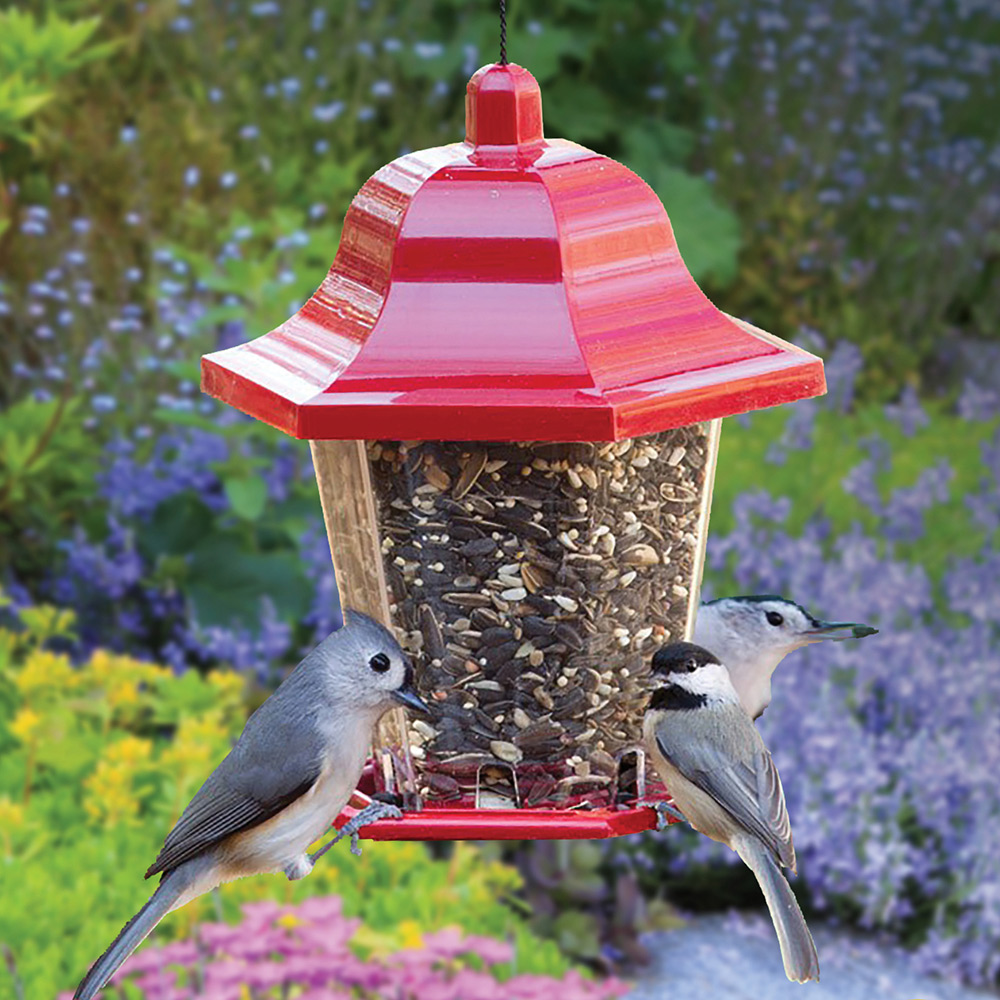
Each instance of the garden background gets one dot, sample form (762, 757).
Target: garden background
(173, 175)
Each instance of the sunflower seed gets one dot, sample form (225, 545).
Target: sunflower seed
(529, 582)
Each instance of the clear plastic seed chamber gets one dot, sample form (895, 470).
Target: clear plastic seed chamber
(530, 582)
(513, 391)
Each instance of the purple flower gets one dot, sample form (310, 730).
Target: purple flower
(311, 958)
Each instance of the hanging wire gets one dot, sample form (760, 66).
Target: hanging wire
(503, 33)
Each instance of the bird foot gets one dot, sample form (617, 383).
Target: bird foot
(299, 868)
(370, 814)
(665, 812)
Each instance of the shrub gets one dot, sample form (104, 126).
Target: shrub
(856, 143)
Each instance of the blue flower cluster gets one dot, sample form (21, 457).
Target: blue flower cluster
(889, 750)
(857, 138)
(127, 581)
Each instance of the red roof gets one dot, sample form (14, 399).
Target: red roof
(508, 287)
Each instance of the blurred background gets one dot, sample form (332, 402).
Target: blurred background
(173, 176)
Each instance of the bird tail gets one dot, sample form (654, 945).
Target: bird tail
(798, 950)
(169, 891)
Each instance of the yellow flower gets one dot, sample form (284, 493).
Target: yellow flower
(110, 795)
(126, 693)
(130, 750)
(11, 814)
(155, 673)
(228, 683)
(46, 671)
(184, 755)
(288, 920)
(25, 724)
(409, 934)
(101, 665)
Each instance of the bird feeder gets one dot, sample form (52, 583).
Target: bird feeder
(513, 391)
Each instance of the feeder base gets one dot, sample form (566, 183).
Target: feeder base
(507, 824)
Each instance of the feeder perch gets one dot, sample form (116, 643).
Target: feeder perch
(513, 391)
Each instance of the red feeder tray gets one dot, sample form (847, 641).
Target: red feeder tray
(489, 296)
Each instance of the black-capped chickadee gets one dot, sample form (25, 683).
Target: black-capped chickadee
(289, 775)
(722, 778)
(752, 635)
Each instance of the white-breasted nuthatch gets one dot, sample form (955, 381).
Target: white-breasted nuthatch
(289, 775)
(722, 778)
(752, 635)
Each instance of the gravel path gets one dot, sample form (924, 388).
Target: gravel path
(736, 957)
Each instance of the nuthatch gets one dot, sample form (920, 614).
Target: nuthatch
(752, 635)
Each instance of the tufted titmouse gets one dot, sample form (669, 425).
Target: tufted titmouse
(291, 772)
(722, 778)
(752, 635)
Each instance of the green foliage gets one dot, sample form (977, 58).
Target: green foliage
(315, 133)
(96, 762)
(18, 100)
(47, 471)
(224, 560)
(281, 262)
(813, 479)
(33, 56)
(707, 232)
(864, 219)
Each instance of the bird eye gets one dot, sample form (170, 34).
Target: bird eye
(379, 663)
(692, 666)
(775, 619)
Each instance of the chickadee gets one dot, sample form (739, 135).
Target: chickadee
(722, 778)
(752, 635)
(291, 772)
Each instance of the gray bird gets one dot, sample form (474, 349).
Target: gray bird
(752, 635)
(722, 778)
(293, 769)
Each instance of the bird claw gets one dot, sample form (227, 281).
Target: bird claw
(665, 812)
(372, 813)
(299, 868)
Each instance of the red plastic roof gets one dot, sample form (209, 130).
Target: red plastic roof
(508, 287)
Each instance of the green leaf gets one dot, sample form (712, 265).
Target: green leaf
(653, 142)
(227, 583)
(177, 525)
(69, 756)
(577, 933)
(247, 496)
(185, 418)
(188, 695)
(578, 111)
(707, 232)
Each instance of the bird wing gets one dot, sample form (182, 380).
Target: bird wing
(277, 759)
(729, 762)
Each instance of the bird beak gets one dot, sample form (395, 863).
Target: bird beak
(407, 693)
(838, 631)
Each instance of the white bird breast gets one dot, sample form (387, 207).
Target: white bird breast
(284, 837)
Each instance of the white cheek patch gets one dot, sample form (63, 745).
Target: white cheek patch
(711, 680)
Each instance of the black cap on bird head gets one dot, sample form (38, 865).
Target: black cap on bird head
(680, 658)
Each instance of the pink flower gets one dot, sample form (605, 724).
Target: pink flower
(321, 909)
(310, 958)
(218, 937)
